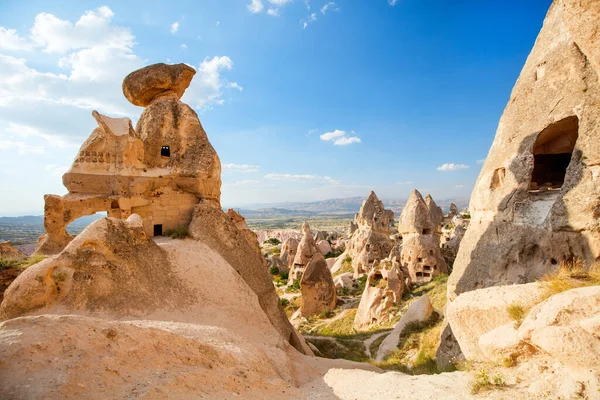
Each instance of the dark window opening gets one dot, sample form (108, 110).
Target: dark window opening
(419, 274)
(426, 231)
(552, 154)
(430, 252)
(158, 230)
(427, 268)
(426, 275)
(114, 204)
(165, 151)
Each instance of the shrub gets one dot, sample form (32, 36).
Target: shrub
(516, 312)
(273, 241)
(179, 232)
(333, 254)
(284, 302)
(348, 259)
(483, 381)
(274, 270)
(284, 275)
(20, 263)
(326, 314)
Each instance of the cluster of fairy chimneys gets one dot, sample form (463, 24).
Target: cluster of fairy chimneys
(392, 261)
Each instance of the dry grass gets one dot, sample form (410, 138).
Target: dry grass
(21, 264)
(570, 275)
(346, 267)
(517, 312)
(483, 382)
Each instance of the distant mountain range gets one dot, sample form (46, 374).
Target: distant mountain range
(332, 207)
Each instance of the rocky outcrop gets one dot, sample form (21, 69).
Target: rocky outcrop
(535, 202)
(213, 227)
(475, 313)
(370, 240)
(324, 247)
(383, 291)
(288, 253)
(420, 250)
(316, 285)
(8, 252)
(436, 214)
(160, 170)
(419, 310)
(307, 248)
(240, 224)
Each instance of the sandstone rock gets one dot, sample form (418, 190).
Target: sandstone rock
(159, 171)
(554, 326)
(213, 227)
(240, 224)
(476, 313)
(324, 247)
(370, 240)
(500, 343)
(420, 250)
(8, 252)
(383, 290)
(307, 248)
(316, 285)
(419, 310)
(144, 85)
(288, 252)
(547, 134)
(330, 262)
(436, 214)
(448, 353)
(453, 211)
(343, 280)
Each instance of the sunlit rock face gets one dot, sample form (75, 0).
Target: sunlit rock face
(536, 201)
(420, 254)
(160, 170)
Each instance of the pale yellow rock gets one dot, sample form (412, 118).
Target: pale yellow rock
(535, 202)
(317, 287)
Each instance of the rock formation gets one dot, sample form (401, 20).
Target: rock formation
(160, 170)
(307, 248)
(371, 238)
(8, 252)
(316, 285)
(452, 211)
(288, 252)
(436, 214)
(535, 202)
(452, 235)
(420, 251)
(383, 290)
(240, 224)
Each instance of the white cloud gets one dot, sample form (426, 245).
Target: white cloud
(452, 167)
(329, 6)
(404, 183)
(459, 186)
(256, 6)
(244, 168)
(343, 141)
(174, 27)
(218, 23)
(311, 18)
(20, 147)
(247, 182)
(273, 12)
(183, 46)
(206, 88)
(392, 2)
(340, 138)
(331, 135)
(10, 40)
(302, 178)
(311, 131)
(234, 85)
(481, 161)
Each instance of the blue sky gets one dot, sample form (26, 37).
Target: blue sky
(408, 95)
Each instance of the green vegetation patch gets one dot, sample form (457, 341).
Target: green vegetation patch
(180, 232)
(20, 264)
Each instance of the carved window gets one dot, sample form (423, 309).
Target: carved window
(165, 151)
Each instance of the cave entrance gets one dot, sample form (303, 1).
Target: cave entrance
(158, 230)
(552, 154)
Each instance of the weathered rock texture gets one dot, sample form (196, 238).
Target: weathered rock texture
(536, 201)
(288, 252)
(370, 239)
(383, 291)
(420, 250)
(316, 285)
(160, 170)
(8, 252)
(306, 249)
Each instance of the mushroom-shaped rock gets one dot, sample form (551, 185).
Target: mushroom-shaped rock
(316, 285)
(307, 248)
(144, 85)
(435, 212)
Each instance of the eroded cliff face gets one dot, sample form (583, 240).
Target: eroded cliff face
(537, 199)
